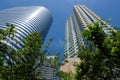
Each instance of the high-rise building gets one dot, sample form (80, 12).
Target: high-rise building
(47, 72)
(26, 20)
(77, 23)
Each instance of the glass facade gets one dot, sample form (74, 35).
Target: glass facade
(26, 20)
(75, 24)
(47, 72)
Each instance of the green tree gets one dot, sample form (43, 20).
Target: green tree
(5, 36)
(21, 64)
(64, 75)
(103, 62)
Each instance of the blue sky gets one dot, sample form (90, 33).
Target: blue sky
(62, 9)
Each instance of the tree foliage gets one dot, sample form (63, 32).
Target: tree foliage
(20, 64)
(103, 63)
(64, 75)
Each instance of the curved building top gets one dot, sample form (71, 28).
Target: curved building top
(26, 20)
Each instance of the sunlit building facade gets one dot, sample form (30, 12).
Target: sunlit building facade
(26, 20)
(75, 25)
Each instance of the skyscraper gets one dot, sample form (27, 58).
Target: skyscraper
(77, 23)
(26, 20)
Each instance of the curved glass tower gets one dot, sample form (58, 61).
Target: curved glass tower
(26, 20)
